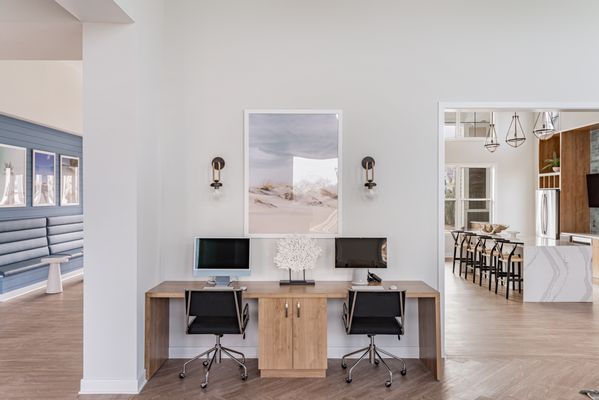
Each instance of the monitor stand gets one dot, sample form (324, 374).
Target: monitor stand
(360, 276)
(222, 281)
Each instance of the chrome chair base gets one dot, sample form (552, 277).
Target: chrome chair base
(374, 358)
(217, 352)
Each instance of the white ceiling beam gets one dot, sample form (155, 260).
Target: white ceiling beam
(104, 11)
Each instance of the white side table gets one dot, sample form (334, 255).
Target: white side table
(54, 277)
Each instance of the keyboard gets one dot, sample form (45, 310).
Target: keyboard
(366, 288)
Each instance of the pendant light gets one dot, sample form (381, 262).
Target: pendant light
(515, 136)
(544, 125)
(491, 142)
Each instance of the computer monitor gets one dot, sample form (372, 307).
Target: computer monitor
(221, 258)
(361, 254)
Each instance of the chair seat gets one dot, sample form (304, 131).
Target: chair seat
(515, 258)
(376, 326)
(214, 326)
(22, 266)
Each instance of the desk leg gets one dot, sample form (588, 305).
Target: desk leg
(429, 325)
(156, 334)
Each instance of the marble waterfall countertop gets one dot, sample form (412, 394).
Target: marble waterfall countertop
(557, 271)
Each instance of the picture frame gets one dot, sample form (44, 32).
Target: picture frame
(13, 176)
(293, 173)
(43, 179)
(69, 181)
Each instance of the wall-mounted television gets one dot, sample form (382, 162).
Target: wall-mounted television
(593, 189)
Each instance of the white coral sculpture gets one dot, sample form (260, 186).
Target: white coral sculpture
(297, 253)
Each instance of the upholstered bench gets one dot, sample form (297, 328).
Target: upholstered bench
(29, 246)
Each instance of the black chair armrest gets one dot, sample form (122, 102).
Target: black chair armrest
(245, 316)
(345, 316)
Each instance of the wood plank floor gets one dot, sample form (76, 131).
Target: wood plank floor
(497, 349)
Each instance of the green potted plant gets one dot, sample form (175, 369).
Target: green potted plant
(552, 163)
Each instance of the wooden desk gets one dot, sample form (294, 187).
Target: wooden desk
(157, 316)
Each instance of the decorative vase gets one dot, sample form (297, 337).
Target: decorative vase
(556, 169)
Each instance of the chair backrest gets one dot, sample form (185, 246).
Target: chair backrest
(213, 303)
(22, 239)
(384, 303)
(65, 233)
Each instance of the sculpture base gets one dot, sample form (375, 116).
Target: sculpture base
(297, 282)
(302, 281)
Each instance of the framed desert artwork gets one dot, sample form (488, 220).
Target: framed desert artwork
(292, 172)
(44, 178)
(13, 161)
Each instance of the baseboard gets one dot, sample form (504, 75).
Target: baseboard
(36, 286)
(333, 351)
(109, 386)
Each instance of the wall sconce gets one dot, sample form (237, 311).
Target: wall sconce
(368, 165)
(217, 165)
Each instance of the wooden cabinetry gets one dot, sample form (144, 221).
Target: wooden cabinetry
(292, 337)
(575, 161)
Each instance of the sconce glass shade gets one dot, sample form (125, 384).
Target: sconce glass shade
(515, 136)
(491, 142)
(370, 185)
(216, 186)
(545, 125)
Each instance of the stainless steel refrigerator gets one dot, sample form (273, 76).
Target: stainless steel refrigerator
(547, 210)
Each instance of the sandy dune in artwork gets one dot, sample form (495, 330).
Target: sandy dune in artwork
(275, 209)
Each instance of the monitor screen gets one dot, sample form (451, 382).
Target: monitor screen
(225, 253)
(361, 253)
(593, 189)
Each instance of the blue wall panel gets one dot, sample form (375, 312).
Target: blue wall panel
(35, 137)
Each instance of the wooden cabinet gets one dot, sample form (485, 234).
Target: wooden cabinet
(292, 337)
(595, 258)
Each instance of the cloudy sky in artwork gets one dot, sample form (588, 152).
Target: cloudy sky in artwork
(276, 139)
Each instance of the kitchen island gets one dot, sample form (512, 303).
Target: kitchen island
(556, 271)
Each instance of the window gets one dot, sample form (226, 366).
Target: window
(468, 196)
(466, 124)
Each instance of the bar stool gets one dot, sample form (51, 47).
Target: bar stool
(511, 260)
(472, 244)
(492, 256)
(464, 243)
(481, 253)
(457, 238)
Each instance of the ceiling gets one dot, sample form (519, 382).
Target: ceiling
(38, 30)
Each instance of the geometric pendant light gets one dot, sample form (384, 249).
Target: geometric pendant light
(544, 125)
(491, 142)
(515, 136)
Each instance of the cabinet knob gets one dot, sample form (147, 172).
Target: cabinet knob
(286, 309)
(298, 309)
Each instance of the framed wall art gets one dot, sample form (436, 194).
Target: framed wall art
(13, 161)
(43, 179)
(69, 181)
(292, 172)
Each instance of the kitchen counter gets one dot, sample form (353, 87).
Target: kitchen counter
(557, 271)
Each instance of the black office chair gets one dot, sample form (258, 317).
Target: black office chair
(371, 313)
(217, 312)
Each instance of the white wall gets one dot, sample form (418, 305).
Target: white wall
(573, 120)
(386, 64)
(515, 174)
(123, 121)
(44, 92)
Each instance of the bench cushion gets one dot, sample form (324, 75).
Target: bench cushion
(22, 224)
(74, 253)
(14, 236)
(21, 266)
(67, 228)
(65, 219)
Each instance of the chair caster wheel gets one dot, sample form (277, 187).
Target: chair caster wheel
(348, 380)
(388, 383)
(344, 365)
(240, 367)
(403, 372)
(376, 362)
(244, 377)
(203, 385)
(181, 375)
(205, 363)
